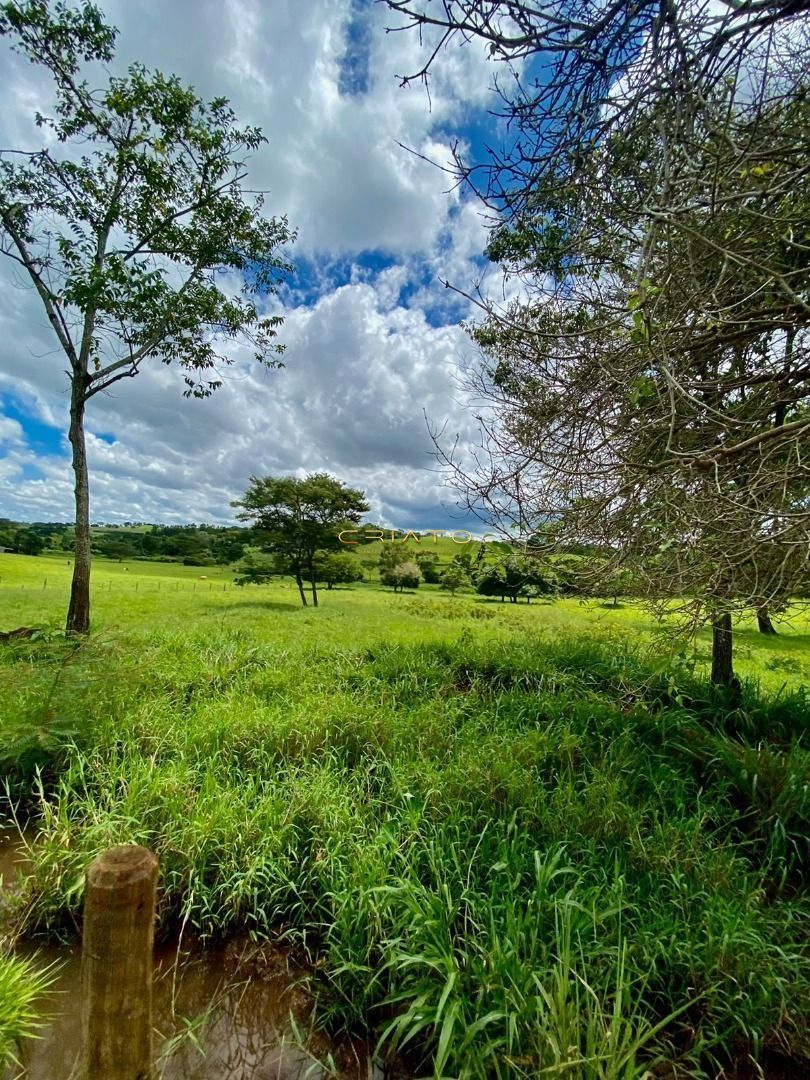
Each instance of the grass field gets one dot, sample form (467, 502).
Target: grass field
(136, 597)
(508, 838)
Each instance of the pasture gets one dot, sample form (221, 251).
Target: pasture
(502, 838)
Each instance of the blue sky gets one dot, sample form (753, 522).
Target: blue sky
(372, 336)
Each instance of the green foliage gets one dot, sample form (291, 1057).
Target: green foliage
(21, 987)
(428, 563)
(159, 182)
(203, 545)
(299, 517)
(515, 577)
(394, 554)
(337, 568)
(453, 578)
(27, 542)
(402, 575)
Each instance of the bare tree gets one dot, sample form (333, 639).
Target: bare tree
(649, 391)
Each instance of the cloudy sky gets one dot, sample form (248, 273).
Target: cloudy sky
(373, 338)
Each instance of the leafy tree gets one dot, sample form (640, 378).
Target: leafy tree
(28, 542)
(299, 517)
(491, 580)
(367, 533)
(568, 569)
(465, 559)
(428, 563)
(126, 220)
(118, 549)
(393, 554)
(516, 576)
(337, 568)
(453, 578)
(617, 583)
(403, 575)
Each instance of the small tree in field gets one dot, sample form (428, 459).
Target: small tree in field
(454, 578)
(490, 580)
(617, 583)
(125, 219)
(299, 518)
(337, 568)
(402, 576)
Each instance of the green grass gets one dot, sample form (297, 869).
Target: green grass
(511, 838)
(21, 985)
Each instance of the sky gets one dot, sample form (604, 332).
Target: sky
(374, 347)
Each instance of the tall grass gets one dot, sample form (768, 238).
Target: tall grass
(21, 985)
(504, 855)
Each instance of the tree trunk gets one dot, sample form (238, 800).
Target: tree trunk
(78, 617)
(300, 583)
(313, 586)
(764, 620)
(722, 669)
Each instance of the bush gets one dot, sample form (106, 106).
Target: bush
(405, 575)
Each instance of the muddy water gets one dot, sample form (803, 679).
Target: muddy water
(220, 1013)
(13, 856)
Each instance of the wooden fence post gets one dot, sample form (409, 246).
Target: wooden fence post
(119, 921)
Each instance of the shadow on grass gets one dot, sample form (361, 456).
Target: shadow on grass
(787, 638)
(263, 605)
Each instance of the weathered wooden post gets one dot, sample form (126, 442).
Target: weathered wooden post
(119, 920)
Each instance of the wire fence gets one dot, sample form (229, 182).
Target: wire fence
(119, 586)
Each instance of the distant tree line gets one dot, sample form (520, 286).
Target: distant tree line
(20, 539)
(193, 545)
